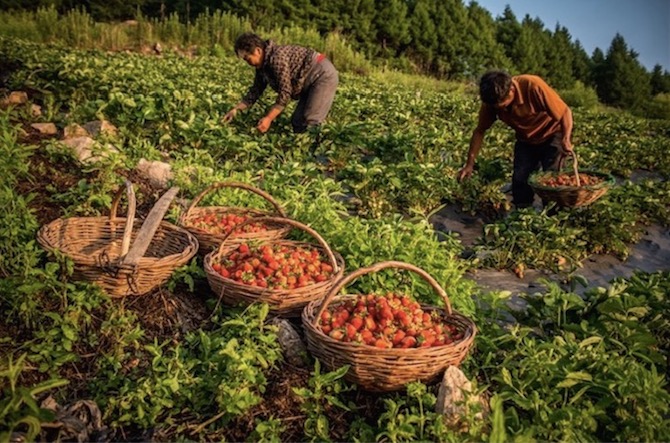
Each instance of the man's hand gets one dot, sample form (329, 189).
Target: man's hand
(264, 124)
(465, 172)
(566, 147)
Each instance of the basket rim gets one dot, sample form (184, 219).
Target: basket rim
(254, 213)
(235, 185)
(309, 317)
(608, 181)
(191, 241)
(209, 270)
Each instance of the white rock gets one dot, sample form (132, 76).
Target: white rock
(97, 127)
(17, 98)
(74, 131)
(45, 128)
(157, 173)
(35, 110)
(87, 150)
(455, 397)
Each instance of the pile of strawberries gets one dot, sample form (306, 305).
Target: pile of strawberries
(223, 223)
(570, 180)
(275, 266)
(388, 321)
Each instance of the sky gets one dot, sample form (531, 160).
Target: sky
(644, 24)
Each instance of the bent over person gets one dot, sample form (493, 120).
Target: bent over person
(295, 72)
(541, 119)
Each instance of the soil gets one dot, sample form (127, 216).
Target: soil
(650, 254)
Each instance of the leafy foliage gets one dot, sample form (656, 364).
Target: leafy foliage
(573, 368)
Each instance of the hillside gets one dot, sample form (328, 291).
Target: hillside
(176, 363)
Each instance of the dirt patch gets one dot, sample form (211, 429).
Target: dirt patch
(650, 254)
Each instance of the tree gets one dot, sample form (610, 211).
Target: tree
(481, 49)
(660, 81)
(423, 45)
(559, 59)
(581, 63)
(508, 31)
(529, 49)
(391, 24)
(624, 83)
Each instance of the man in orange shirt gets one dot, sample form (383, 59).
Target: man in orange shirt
(541, 119)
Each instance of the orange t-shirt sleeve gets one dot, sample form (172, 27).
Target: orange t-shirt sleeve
(546, 98)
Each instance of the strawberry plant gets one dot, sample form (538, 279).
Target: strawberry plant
(322, 393)
(578, 368)
(573, 368)
(20, 415)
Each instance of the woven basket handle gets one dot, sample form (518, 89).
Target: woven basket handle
(575, 169)
(130, 219)
(239, 185)
(285, 221)
(375, 268)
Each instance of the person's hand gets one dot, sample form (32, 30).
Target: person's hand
(566, 147)
(465, 172)
(230, 115)
(264, 125)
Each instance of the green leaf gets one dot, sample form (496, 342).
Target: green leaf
(507, 377)
(498, 431)
(580, 375)
(69, 332)
(590, 341)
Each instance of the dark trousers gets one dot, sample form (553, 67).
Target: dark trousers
(528, 159)
(317, 96)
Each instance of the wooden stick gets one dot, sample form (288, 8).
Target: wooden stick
(130, 219)
(149, 227)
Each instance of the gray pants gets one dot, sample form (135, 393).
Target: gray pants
(316, 97)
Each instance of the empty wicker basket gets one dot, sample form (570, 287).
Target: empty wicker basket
(98, 247)
(385, 369)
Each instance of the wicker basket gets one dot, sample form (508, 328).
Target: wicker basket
(386, 369)
(210, 241)
(98, 247)
(570, 196)
(283, 302)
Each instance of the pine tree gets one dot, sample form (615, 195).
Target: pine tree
(625, 82)
(531, 47)
(392, 26)
(508, 32)
(423, 45)
(480, 48)
(581, 63)
(558, 66)
(660, 81)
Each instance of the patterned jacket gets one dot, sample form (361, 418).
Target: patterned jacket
(285, 68)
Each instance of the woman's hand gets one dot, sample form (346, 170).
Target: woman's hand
(230, 115)
(264, 124)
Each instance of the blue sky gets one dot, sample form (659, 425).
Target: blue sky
(644, 24)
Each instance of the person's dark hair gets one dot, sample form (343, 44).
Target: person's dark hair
(494, 87)
(249, 41)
